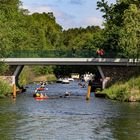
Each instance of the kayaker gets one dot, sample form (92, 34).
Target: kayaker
(36, 95)
(67, 94)
(41, 95)
(42, 85)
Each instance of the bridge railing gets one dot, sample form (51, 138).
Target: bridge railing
(62, 54)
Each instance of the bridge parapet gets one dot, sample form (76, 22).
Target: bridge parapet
(72, 61)
(62, 54)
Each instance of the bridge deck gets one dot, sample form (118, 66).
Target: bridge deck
(71, 61)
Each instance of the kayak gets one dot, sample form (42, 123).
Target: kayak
(40, 98)
(40, 89)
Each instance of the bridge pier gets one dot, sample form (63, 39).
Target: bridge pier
(104, 82)
(15, 79)
(104, 78)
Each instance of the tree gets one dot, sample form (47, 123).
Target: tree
(121, 26)
(130, 32)
(82, 38)
(47, 31)
(12, 28)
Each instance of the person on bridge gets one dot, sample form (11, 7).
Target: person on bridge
(100, 52)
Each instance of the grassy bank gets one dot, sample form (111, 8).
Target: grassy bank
(5, 89)
(125, 91)
(28, 76)
(48, 77)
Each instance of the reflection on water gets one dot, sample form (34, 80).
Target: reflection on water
(71, 118)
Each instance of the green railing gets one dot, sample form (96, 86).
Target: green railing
(62, 54)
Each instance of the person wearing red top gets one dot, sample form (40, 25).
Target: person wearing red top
(100, 52)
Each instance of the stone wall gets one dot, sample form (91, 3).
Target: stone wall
(8, 79)
(7, 76)
(119, 73)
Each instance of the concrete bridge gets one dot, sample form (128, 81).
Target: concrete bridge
(99, 62)
(72, 61)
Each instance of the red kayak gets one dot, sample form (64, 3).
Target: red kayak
(40, 89)
(41, 98)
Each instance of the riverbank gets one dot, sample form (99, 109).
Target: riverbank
(5, 89)
(125, 91)
(48, 77)
(31, 77)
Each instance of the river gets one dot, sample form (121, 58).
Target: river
(71, 118)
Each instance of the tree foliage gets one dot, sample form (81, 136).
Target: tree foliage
(130, 32)
(20, 30)
(89, 38)
(122, 26)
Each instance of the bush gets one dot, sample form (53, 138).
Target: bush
(122, 91)
(134, 82)
(118, 92)
(5, 89)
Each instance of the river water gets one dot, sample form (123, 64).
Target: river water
(71, 118)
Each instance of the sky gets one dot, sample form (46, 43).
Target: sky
(68, 13)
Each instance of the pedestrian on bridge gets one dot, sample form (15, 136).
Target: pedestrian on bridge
(100, 52)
